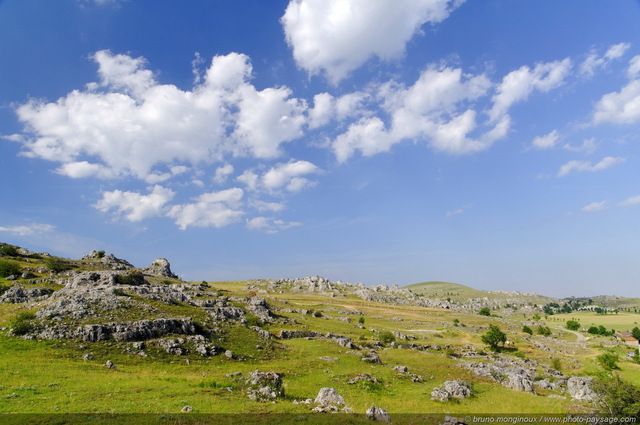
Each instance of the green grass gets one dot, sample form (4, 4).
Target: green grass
(52, 376)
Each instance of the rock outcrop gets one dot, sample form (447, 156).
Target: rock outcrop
(160, 267)
(579, 387)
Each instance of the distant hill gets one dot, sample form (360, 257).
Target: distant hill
(456, 291)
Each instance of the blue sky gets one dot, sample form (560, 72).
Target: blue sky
(492, 143)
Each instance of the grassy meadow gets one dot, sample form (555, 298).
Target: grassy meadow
(44, 377)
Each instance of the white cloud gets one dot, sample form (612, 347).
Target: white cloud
(572, 166)
(289, 176)
(634, 67)
(134, 206)
(27, 230)
(547, 141)
(222, 173)
(82, 169)
(129, 124)
(217, 209)
(588, 146)
(519, 84)
(621, 107)
(337, 36)
(433, 109)
(270, 225)
(263, 206)
(595, 206)
(634, 200)
(593, 62)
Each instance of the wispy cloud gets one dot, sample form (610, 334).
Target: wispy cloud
(594, 206)
(27, 229)
(575, 165)
(457, 211)
(634, 200)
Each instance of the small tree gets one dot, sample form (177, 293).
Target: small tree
(544, 330)
(484, 311)
(573, 325)
(494, 337)
(361, 320)
(526, 329)
(635, 332)
(387, 337)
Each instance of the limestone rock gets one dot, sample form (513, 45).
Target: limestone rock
(160, 267)
(264, 386)
(452, 389)
(329, 396)
(579, 387)
(378, 414)
(371, 358)
(186, 409)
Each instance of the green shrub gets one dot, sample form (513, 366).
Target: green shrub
(484, 311)
(361, 320)
(100, 254)
(544, 330)
(131, 278)
(253, 321)
(22, 324)
(609, 361)
(8, 268)
(526, 329)
(556, 364)
(617, 397)
(635, 332)
(593, 330)
(573, 325)
(9, 250)
(56, 264)
(386, 337)
(456, 322)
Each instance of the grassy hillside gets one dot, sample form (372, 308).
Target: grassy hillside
(68, 375)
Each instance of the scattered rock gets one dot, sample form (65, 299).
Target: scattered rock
(186, 409)
(264, 386)
(229, 354)
(378, 414)
(456, 389)
(329, 396)
(109, 364)
(88, 356)
(371, 358)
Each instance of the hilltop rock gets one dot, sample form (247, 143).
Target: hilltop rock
(114, 263)
(160, 267)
